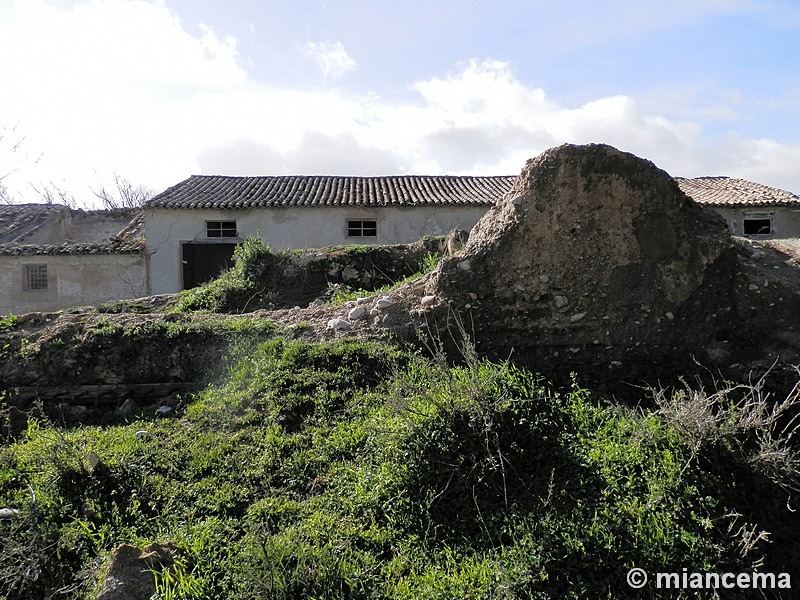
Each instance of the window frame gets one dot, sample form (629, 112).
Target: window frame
(36, 278)
(769, 217)
(361, 228)
(222, 229)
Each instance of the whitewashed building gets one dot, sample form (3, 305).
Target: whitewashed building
(53, 257)
(193, 227)
(750, 209)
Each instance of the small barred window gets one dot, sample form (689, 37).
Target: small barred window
(36, 277)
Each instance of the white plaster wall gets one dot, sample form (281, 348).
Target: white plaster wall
(291, 228)
(95, 226)
(785, 220)
(80, 227)
(72, 280)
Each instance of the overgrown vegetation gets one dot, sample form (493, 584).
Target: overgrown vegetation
(236, 286)
(361, 470)
(124, 306)
(262, 278)
(343, 295)
(8, 322)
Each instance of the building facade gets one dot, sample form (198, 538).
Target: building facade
(192, 228)
(751, 209)
(54, 257)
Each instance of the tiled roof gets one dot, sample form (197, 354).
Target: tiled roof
(133, 229)
(223, 192)
(20, 220)
(113, 246)
(219, 192)
(725, 191)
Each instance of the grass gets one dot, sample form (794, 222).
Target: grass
(234, 287)
(343, 295)
(250, 283)
(360, 470)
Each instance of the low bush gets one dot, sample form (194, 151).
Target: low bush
(262, 278)
(362, 470)
(234, 287)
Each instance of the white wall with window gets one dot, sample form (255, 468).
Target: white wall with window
(360, 228)
(768, 223)
(168, 230)
(52, 282)
(221, 229)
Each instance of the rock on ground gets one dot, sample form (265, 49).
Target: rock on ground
(129, 575)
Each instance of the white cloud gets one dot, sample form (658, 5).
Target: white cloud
(316, 153)
(763, 160)
(97, 89)
(332, 59)
(95, 96)
(483, 87)
(113, 42)
(489, 122)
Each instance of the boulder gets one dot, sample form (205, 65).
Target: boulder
(9, 513)
(129, 575)
(595, 253)
(338, 324)
(356, 313)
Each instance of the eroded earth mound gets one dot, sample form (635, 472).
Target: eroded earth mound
(597, 259)
(595, 263)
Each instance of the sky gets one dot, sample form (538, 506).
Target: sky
(154, 91)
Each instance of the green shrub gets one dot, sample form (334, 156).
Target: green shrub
(8, 322)
(234, 287)
(362, 470)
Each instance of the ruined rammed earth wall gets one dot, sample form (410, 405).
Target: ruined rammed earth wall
(595, 251)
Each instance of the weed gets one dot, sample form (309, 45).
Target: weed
(8, 322)
(177, 582)
(356, 469)
(106, 328)
(430, 262)
(352, 248)
(744, 419)
(123, 306)
(27, 349)
(343, 295)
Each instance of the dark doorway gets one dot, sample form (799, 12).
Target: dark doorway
(203, 262)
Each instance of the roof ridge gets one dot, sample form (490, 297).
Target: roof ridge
(228, 191)
(258, 191)
(386, 176)
(110, 246)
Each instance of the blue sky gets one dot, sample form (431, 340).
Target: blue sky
(157, 90)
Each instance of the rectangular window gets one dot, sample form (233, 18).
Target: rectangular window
(757, 225)
(35, 277)
(221, 229)
(362, 228)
